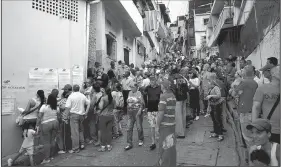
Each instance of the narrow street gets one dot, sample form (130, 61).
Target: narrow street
(196, 149)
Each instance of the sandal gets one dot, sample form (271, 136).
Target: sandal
(213, 135)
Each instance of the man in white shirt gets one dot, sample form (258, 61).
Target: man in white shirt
(75, 105)
(126, 85)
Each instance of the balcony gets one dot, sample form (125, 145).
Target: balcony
(225, 21)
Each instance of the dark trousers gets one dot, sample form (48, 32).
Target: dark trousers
(275, 138)
(105, 126)
(216, 115)
(49, 133)
(132, 119)
(64, 136)
(125, 95)
(194, 101)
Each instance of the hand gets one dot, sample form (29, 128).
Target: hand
(37, 129)
(86, 116)
(253, 148)
(208, 97)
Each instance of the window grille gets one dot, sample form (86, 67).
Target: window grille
(66, 9)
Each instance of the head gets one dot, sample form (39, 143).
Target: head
(96, 87)
(249, 62)
(127, 74)
(97, 64)
(134, 87)
(153, 81)
(119, 62)
(88, 82)
(118, 87)
(193, 74)
(248, 71)
(243, 63)
(133, 72)
(111, 74)
(100, 71)
(76, 88)
(212, 79)
(67, 88)
(273, 61)
(260, 131)
(267, 74)
(52, 102)
(132, 65)
(40, 94)
(143, 66)
(55, 92)
(112, 64)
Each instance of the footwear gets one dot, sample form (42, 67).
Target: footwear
(213, 135)
(102, 149)
(82, 147)
(140, 143)
(129, 147)
(224, 130)
(212, 131)
(153, 146)
(196, 118)
(74, 151)
(45, 161)
(91, 141)
(220, 138)
(181, 137)
(109, 147)
(97, 144)
(61, 152)
(207, 115)
(10, 162)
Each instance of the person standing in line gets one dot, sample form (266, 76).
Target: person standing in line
(194, 84)
(126, 85)
(119, 105)
(113, 69)
(152, 92)
(102, 78)
(165, 126)
(135, 115)
(106, 119)
(75, 106)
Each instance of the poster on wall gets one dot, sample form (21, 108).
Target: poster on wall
(64, 77)
(8, 106)
(42, 79)
(77, 75)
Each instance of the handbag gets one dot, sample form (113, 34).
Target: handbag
(20, 120)
(273, 108)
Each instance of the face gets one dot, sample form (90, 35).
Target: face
(102, 90)
(260, 137)
(88, 82)
(153, 82)
(134, 88)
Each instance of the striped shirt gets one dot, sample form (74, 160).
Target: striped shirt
(168, 104)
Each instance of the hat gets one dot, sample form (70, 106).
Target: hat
(67, 87)
(260, 124)
(275, 72)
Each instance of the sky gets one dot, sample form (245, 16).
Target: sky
(176, 7)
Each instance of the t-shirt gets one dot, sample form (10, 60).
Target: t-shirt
(49, 114)
(145, 82)
(248, 88)
(28, 138)
(153, 93)
(267, 95)
(77, 102)
(168, 104)
(134, 101)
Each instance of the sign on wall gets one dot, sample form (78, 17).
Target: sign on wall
(64, 77)
(8, 105)
(77, 75)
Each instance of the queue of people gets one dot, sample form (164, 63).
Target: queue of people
(171, 94)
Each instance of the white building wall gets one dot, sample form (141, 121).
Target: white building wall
(32, 38)
(200, 28)
(269, 47)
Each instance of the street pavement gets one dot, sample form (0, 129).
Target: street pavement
(196, 149)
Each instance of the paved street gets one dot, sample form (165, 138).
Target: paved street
(196, 149)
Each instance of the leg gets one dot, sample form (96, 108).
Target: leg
(109, 125)
(184, 115)
(74, 127)
(218, 119)
(178, 117)
(139, 122)
(54, 132)
(31, 160)
(60, 137)
(197, 102)
(130, 127)
(212, 113)
(93, 128)
(245, 119)
(115, 124)
(11, 161)
(46, 132)
(81, 130)
(102, 126)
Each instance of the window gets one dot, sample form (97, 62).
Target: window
(110, 46)
(205, 21)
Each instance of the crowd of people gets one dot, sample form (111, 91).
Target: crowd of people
(171, 94)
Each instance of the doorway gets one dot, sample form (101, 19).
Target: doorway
(126, 56)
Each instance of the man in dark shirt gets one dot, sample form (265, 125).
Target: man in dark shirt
(102, 78)
(152, 92)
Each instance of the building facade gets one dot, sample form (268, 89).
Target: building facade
(246, 28)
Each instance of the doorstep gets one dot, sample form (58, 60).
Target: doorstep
(24, 159)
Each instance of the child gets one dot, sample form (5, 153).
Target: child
(27, 145)
(119, 104)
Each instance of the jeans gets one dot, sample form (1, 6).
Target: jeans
(132, 119)
(195, 102)
(64, 136)
(180, 116)
(125, 96)
(93, 126)
(105, 125)
(246, 119)
(49, 133)
(216, 115)
(117, 128)
(77, 130)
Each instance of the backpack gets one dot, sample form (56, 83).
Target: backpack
(119, 100)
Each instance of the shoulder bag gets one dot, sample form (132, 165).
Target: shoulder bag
(273, 108)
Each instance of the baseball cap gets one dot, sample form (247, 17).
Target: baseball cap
(260, 124)
(275, 72)
(67, 87)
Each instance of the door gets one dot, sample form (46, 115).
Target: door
(126, 57)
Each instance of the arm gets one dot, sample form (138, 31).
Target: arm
(67, 108)
(160, 115)
(239, 89)
(217, 93)
(40, 116)
(101, 104)
(257, 101)
(30, 104)
(88, 105)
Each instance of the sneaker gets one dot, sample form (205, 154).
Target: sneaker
(97, 144)
(10, 162)
(140, 143)
(45, 161)
(91, 141)
(102, 149)
(196, 118)
(74, 151)
(207, 115)
(220, 138)
(224, 130)
(153, 146)
(213, 135)
(109, 147)
(82, 146)
(129, 147)
(61, 152)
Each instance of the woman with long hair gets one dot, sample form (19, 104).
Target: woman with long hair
(106, 119)
(48, 120)
(31, 111)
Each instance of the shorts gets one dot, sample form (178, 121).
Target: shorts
(152, 106)
(29, 150)
(151, 117)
